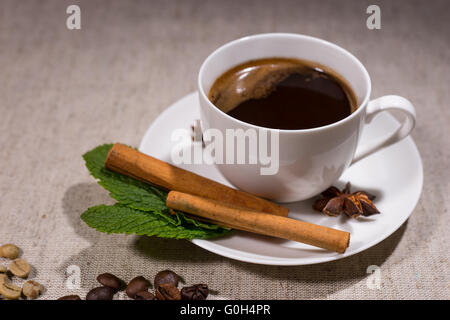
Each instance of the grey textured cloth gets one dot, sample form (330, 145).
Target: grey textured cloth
(65, 91)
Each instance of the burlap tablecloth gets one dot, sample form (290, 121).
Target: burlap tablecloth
(65, 91)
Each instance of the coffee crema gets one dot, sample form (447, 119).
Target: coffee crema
(283, 93)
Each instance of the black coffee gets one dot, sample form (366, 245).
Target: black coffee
(283, 94)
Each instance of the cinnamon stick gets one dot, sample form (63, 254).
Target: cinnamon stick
(140, 166)
(259, 222)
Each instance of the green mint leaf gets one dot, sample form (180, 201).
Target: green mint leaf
(198, 223)
(119, 218)
(126, 190)
(136, 194)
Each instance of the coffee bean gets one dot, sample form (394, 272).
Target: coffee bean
(110, 280)
(10, 291)
(144, 295)
(136, 285)
(32, 289)
(195, 292)
(20, 268)
(100, 293)
(71, 297)
(166, 276)
(9, 250)
(168, 291)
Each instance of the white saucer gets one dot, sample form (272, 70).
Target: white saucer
(394, 174)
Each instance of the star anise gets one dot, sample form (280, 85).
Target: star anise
(336, 202)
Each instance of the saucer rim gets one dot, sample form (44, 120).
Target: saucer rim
(234, 254)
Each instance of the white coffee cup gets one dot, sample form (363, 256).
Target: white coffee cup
(310, 160)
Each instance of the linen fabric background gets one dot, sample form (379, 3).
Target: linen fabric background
(64, 92)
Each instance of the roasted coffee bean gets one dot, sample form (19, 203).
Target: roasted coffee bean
(20, 268)
(10, 291)
(195, 292)
(136, 285)
(100, 293)
(168, 291)
(144, 295)
(71, 297)
(32, 289)
(166, 276)
(9, 250)
(110, 280)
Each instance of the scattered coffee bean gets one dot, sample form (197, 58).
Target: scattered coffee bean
(32, 289)
(195, 292)
(144, 295)
(71, 297)
(166, 276)
(110, 280)
(166, 283)
(168, 291)
(9, 250)
(3, 278)
(20, 268)
(100, 293)
(10, 291)
(136, 285)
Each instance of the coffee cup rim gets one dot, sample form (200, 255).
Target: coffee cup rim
(354, 114)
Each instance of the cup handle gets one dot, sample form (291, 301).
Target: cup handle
(387, 103)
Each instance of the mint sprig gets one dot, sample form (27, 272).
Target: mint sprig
(141, 208)
(119, 218)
